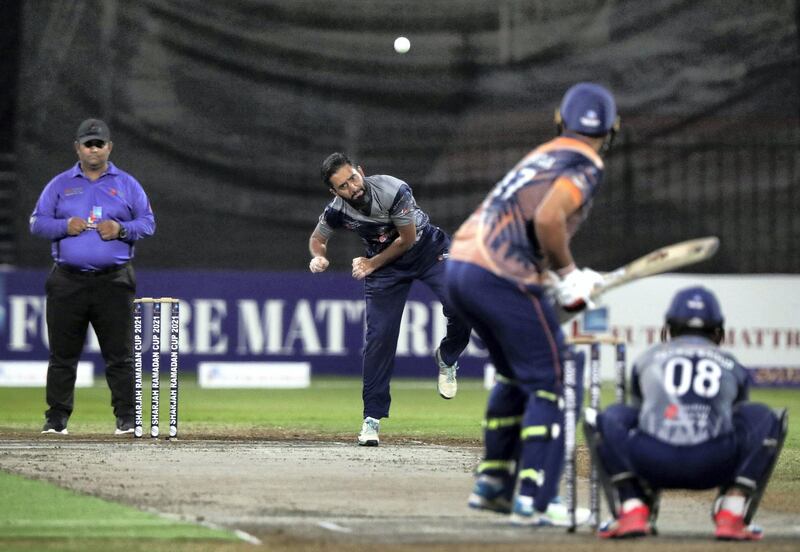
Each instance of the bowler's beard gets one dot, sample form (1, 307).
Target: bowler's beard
(362, 201)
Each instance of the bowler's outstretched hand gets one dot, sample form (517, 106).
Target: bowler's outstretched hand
(318, 264)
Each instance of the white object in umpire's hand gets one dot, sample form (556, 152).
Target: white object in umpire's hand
(574, 290)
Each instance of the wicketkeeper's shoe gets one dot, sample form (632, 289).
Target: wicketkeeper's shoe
(492, 493)
(124, 426)
(369, 432)
(731, 527)
(633, 523)
(448, 386)
(55, 426)
(556, 514)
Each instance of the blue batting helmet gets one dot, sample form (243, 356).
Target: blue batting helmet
(695, 308)
(588, 108)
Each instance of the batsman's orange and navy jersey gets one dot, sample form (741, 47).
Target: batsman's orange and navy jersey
(500, 235)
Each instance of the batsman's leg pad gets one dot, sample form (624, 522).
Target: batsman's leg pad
(542, 448)
(501, 429)
(496, 474)
(553, 463)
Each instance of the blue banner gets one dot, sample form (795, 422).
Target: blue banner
(775, 376)
(249, 316)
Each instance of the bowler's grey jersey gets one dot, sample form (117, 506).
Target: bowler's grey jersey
(686, 390)
(390, 203)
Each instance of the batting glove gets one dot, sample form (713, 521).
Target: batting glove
(574, 290)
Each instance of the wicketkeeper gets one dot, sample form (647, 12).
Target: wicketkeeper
(690, 427)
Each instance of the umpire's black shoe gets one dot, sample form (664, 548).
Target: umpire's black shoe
(55, 426)
(124, 426)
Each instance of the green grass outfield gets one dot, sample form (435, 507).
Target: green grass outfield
(34, 508)
(331, 408)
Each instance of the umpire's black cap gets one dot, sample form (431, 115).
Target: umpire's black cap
(92, 129)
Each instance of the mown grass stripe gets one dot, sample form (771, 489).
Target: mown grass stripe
(106, 523)
(36, 509)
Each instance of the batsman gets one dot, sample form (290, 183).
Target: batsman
(496, 279)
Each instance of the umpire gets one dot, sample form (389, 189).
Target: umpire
(93, 213)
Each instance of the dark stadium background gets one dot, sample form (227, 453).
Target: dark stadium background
(224, 111)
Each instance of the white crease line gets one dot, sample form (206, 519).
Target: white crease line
(247, 537)
(330, 526)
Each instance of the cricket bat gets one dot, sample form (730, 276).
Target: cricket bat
(659, 261)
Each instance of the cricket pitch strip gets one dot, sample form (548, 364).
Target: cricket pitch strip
(338, 496)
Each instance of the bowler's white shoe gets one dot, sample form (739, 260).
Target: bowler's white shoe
(369, 432)
(448, 386)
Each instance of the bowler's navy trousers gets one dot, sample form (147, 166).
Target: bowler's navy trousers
(386, 291)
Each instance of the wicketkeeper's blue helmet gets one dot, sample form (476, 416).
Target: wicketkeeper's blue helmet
(589, 109)
(695, 308)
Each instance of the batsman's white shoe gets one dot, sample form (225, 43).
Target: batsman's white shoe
(555, 516)
(448, 386)
(369, 432)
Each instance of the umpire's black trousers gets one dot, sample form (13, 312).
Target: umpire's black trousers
(74, 300)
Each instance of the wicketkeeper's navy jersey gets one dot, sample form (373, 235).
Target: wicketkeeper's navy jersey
(686, 389)
(390, 204)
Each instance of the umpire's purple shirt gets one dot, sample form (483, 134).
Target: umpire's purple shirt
(116, 195)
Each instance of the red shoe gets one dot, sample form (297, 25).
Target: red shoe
(634, 523)
(731, 527)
